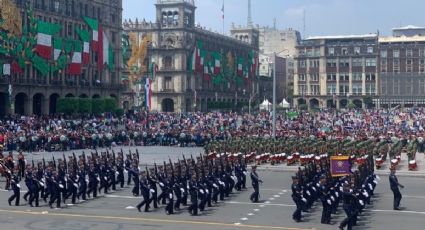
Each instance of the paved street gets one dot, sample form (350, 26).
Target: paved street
(116, 211)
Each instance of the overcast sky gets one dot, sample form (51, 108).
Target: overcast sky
(322, 17)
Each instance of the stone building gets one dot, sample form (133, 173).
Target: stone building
(33, 93)
(402, 67)
(194, 69)
(331, 71)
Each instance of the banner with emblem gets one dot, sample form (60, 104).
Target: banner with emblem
(340, 166)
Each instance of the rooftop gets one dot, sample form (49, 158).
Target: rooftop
(409, 27)
(415, 38)
(338, 37)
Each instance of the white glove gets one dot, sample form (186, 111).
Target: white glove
(370, 186)
(18, 185)
(181, 189)
(304, 200)
(361, 202)
(60, 186)
(329, 201)
(332, 198)
(308, 193)
(161, 184)
(337, 194)
(151, 191)
(314, 188)
(201, 191)
(170, 196)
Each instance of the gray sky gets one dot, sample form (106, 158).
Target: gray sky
(323, 17)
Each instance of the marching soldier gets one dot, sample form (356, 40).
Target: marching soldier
(394, 185)
(14, 183)
(255, 184)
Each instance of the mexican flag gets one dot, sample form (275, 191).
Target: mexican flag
(253, 62)
(85, 37)
(94, 25)
(106, 51)
(200, 56)
(192, 60)
(75, 66)
(45, 31)
(57, 45)
(217, 62)
(207, 76)
(153, 70)
(240, 66)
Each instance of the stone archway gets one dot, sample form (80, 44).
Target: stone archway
(21, 103)
(343, 103)
(301, 101)
(69, 95)
(96, 96)
(83, 96)
(314, 103)
(37, 104)
(358, 103)
(167, 105)
(52, 103)
(330, 104)
(4, 104)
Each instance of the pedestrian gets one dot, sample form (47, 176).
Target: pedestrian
(255, 184)
(394, 185)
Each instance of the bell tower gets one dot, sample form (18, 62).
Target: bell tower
(175, 13)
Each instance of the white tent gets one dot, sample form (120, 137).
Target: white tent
(284, 104)
(266, 105)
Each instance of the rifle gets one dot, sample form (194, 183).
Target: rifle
(113, 157)
(138, 156)
(44, 163)
(147, 172)
(172, 169)
(64, 161)
(156, 169)
(33, 163)
(75, 162)
(165, 169)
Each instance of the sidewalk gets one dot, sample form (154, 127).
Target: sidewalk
(402, 168)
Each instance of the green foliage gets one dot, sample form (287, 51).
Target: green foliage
(85, 105)
(368, 101)
(67, 105)
(98, 106)
(74, 105)
(109, 104)
(351, 105)
(119, 112)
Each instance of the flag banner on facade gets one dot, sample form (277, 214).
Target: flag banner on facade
(94, 25)
(85, 37)
(6, 69)
(148, 94)
(340, 166)
(57, 45)
(45, 31)
(76, 61)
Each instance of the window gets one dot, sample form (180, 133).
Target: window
(331, 63)
(331, 51)
(317, 52)
(409, 65)
(422, 52)
(396, 66)
(344, 77)
(314, 63)
(357, 76)
(302, 89)
(370, 62)
(358, 62)
(370, 50)
(356, 50)
(310, 53)
(302, 63)
(370, 89)
(331, 77)
(383, 53)
(422, 65)
(168, 83)
(315, 90)
(370, 77)
(331, 89)
(409, 53)
(344, 51)
(301, 77)
(344, 89)
(344, 63)
(396, 53)
(357, 89)
(383, 65)
(314, 77)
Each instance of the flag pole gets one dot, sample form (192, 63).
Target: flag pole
(222, 12)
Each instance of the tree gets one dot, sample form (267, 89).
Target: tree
(98, 106)
(368, 101)
(85, 105)
(109, 104)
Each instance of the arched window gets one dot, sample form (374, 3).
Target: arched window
(168, 62)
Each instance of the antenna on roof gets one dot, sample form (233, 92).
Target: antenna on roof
(304, 23)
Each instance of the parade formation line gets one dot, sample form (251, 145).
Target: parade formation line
(163, 221)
